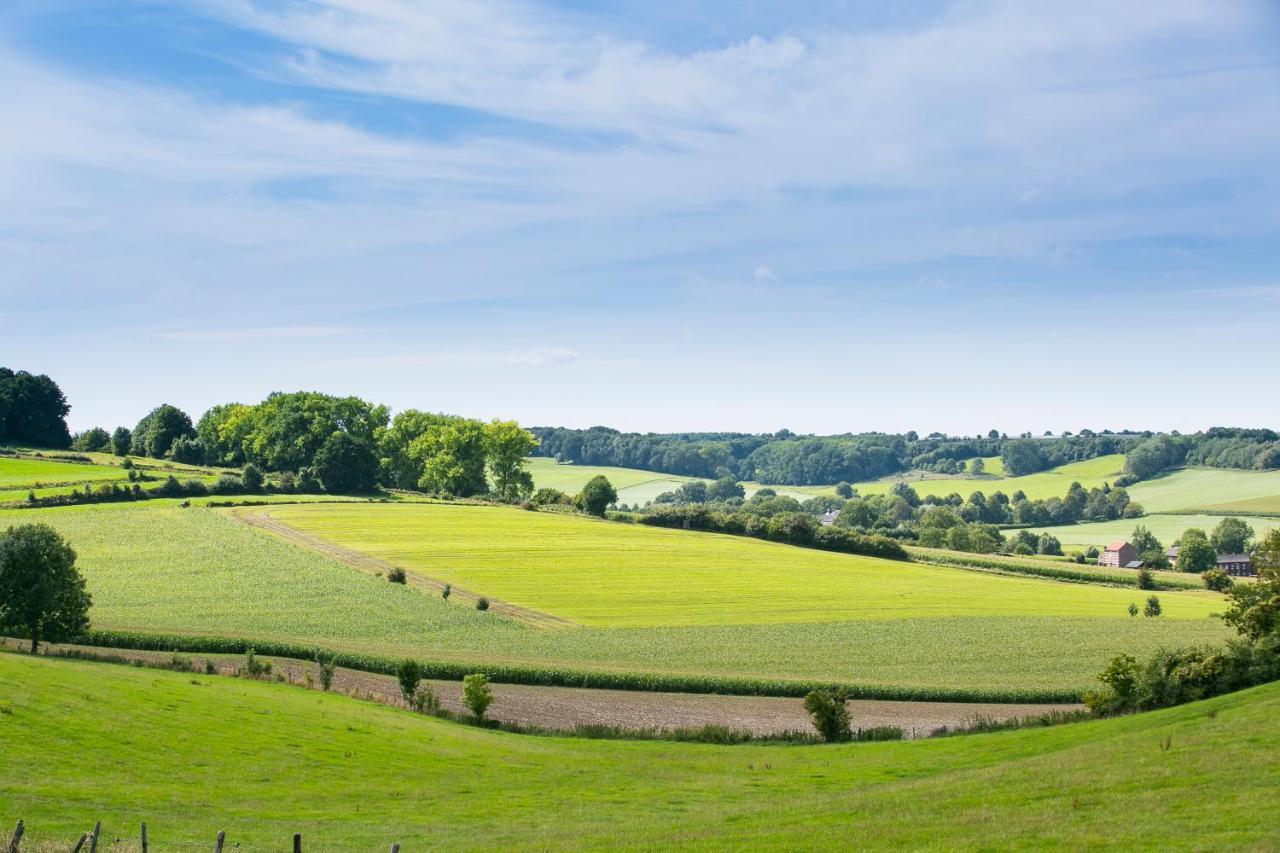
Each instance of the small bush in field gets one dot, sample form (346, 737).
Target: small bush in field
(1146, 580)
(1133, 608)
(1217, 580)
(1153, 606)
(325, 662)
(253, 667)
(830, 716)
(445, 590)
(482, 603)
(476, 694)
(396, 575)
(409, 675)
(424, 700)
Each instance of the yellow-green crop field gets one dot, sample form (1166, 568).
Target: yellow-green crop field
(1214, 489)
(1167, 528)
(635, 486)
(190, 756)
(155, 567)
(604, 574)
(1046, 484)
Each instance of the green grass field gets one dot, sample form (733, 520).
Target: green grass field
(636, 487)
(603, 574)
(1217, 489)
(157, 568)
(1045, 484)
(17, 473)
(1167, 528)
(190, 756)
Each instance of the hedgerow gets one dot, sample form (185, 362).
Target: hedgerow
(969, 561)
(559, 677)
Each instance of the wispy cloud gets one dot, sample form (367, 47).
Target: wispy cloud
(254, 333)
(541, 356)
(764, 275)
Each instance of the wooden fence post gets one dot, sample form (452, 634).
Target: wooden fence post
(395, 848)
(144, 838)
(84, 836)
(17, 837)
(93, 838)
(297, 842)
(217, 845)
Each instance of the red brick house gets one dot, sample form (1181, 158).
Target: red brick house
(1117, 554)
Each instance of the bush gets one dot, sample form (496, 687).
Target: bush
(1133, 608)
(252, 478)
(1146, 580)
(546, 496)
(482, 603)
(1216, 580)
(445, 590)
(396, 575)
(254, 668)
(227, 484)
(830, 716)
(325, 660)
(409, 674)
(476, 694)
(596, 495)
(1153, 608)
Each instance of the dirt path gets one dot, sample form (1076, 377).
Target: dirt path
(566, 707)
(261, 519)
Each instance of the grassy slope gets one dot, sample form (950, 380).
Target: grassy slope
(635, 486)
(153, 567)
(1167, 528)
(1220, 489)
(1045, 484)
(86, 742)
(603, 574)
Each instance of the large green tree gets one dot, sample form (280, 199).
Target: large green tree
(597, 494)
(506, 447)
(399, 469)
(1195, 554)
(287, 430)
(33, 410)
(42, 595)
(1255, 607)
(345, 464)
(1231, 536)
(154, 435)
(452, 458)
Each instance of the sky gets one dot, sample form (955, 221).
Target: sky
(826, 216)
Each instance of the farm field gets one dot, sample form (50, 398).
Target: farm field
(1215, 489)
(19, 472)
(1044, 484)
(1166, 528)
(603, 574)
(635, 486)
(157, 568)
(357, 775)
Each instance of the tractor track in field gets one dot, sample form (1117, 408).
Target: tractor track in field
(261, 520)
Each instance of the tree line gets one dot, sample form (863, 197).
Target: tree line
(1219, 447)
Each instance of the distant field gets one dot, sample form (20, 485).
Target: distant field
(190, 756)
(157, 568)
(1046, 484)
(1167, 528)
(18, 473)
(635, 487)
(604, 574)
(1218, 489)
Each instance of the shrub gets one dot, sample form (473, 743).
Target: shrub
(409, 674)
(1133, 608)
(482, 603)
(227, 484)
(476, 694)
(1153, 608)
(445, 590)
(252, 478)
(596, 495)
(396, 575)
(1146, 580)
(1216, 580)
(254, 668)
(830, 716)
(325, 660)
(1092, 552)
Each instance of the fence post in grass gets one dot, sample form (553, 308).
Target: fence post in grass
(297, 842)
(395, 848)
(217, 845)
(93, 837)
(144, 838)
(17, 837)
(84, 836)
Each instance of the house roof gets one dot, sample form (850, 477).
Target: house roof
(1134, 564)
(1171, 552)
(1117, 545)
(1233, 558)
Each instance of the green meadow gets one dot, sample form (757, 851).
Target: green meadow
(1045, 484)
(1166, 528)
(158, 568)
(262, 761)
(1212, 489)
(635, 486)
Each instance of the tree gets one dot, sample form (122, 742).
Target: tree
(286, 431)
(154, 435)
(597, 494)
(1153, 608)
(1216, 580)
(829, 713)
(252, 478)
(42, 594)
(346, 464)
(120, 440)
(506, 446)
(1231, 536)
(93, 440)
(844, 490)
(1049, 545)
(1255, 607)
(725, 488)
(452, 458)
(33, 410)
(1195, 554)
(1146, 580)
(1149, 549)
(476, 694)
(399, 469)
(1022, 457)
(409, 674)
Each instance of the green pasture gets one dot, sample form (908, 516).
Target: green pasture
(158, 568)
(1215, 489)
(24, 473)
(190, 756)
(1167, 528)
(1045, 484)
(634, 486)
(604, 574)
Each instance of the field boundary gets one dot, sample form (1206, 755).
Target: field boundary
(555, 677)
(262, 520)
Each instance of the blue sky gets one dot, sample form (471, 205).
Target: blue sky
(826, 216)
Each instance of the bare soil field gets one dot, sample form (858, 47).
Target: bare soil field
(567, 707)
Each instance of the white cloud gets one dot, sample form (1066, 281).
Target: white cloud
(541, 356)
(932, 283)
(764, 276)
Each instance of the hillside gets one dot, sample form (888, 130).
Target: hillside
(86, 742)
(158, 568)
